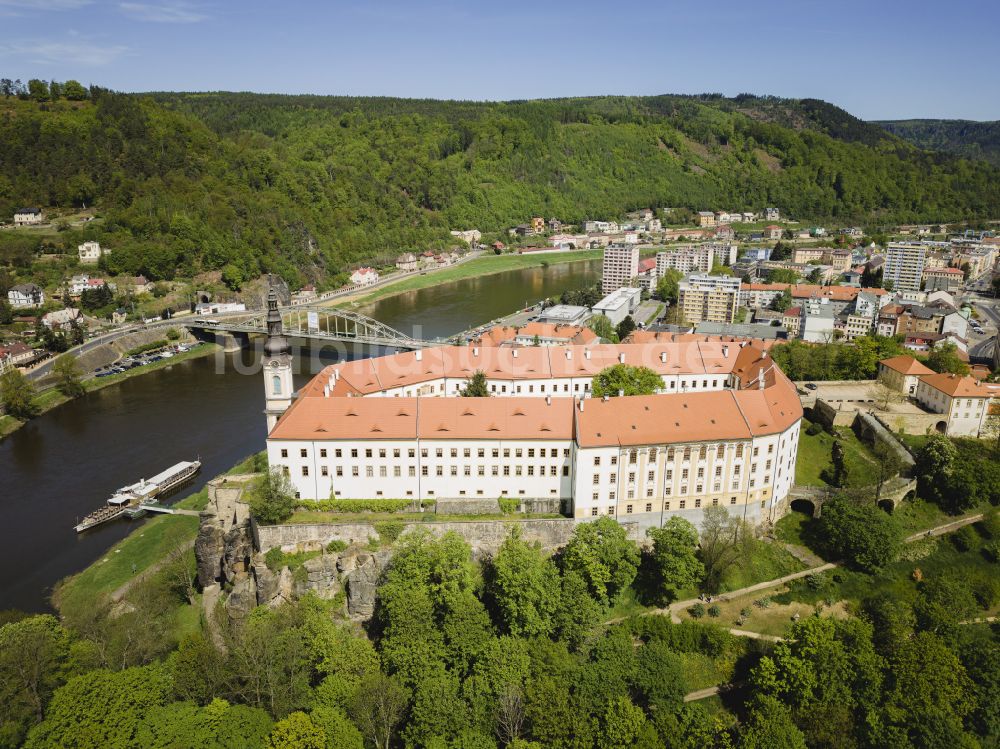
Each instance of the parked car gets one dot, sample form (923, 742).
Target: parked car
(811, 385)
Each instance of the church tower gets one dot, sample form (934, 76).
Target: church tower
(277, 365)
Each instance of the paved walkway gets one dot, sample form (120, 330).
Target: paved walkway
(946, 528)
(700, 694)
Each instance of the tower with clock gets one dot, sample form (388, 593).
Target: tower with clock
(278, 386)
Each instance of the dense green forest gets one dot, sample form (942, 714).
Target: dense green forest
(965, 138)
(305, 185)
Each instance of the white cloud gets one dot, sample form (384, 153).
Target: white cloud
(41, 52)
(178, 12)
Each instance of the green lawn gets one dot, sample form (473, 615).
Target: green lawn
(933, 557)
(789, 528)
(702, 671)
(766, 562)
(148, 544)
(814, 456)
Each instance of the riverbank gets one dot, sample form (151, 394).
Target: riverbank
(481, 266)
(49, 398)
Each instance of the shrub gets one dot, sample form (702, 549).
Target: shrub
(986, 589)
(147, 347)
(992, 550)
(428, 503)
(762, 603)
(965, 538)
(746, 611)
(697, 611)
(817, 581)
(389, 530)
(813, 429)
(336, 546)
(509, 505)
(173, 335)
(274, 559)
(714, 610)
(356, 505)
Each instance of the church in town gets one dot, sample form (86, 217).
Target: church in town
(722, 430)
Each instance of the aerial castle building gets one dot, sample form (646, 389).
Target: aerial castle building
(723, 429)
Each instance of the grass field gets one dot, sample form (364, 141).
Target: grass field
(814, 456)
(773, 620)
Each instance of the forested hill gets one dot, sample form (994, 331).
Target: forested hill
(965, 138)
(306, 185)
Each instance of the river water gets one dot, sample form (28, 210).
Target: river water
(63, 464)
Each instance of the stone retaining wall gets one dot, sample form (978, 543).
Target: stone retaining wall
(484, 536)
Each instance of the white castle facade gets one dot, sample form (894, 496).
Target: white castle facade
(723, 430)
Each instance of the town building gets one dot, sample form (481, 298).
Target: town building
(902, 373)
(90, 252)
(943, 279)
(818, 320)
(706, 218)
(619, 304)
(28, 216)
(804, 255)
(25, 295)
(13, 355)
(772, 214)
(564, 314)
(62, 318)
(621, 265)
(709, 298)
(364, 276)
(791, 320)
(406, 262)
(961, 399)
(722, 432)
(904, 265)
(773, 231)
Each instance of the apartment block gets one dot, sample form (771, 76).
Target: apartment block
(706, 298)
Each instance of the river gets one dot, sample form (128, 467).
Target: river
(63, 464)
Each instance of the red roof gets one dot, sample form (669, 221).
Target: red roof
(956, 386)
(647, 265)
(906, 365)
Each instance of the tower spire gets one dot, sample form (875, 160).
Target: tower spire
(278, 385)
(276, 344)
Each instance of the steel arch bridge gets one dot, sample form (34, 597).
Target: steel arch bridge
(315, 323)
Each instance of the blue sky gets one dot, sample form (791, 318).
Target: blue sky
(875, 58)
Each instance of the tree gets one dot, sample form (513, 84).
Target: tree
(675, 555)
(476, 386)
(38, 90)
(272, 498)
(724, 541)
(626, 326)
(836, 473)
(297, 731)
(944, 358)
(68, 376)
(625, 379)
(74, 91)
(888, 464)
(524, 587)
(861, 534)
(782, 302)
(783, 275)
(377, 708)
(218, 724)
(668, 286)
(101, 708)
(769, 726)
(601, 553)
(884, 396)
(33, 662)
(943, 603)
(55, 90)
(603, 328)
(18, 394)
(6, 313)
(934, 464)
(620, 725)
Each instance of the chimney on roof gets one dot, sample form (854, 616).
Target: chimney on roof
(569, 353)
(418, 355)
(336, 374)
(475, 350)
(326, 391)
(621, 358)
(581, 405)
(663, 357)
(514, 353)
(548, 400)
(725, 352)
(763, 354)
(587, 353)
(621, 393)
(604, 399)
(760, 382)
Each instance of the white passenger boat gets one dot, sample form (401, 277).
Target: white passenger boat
(141, 492)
